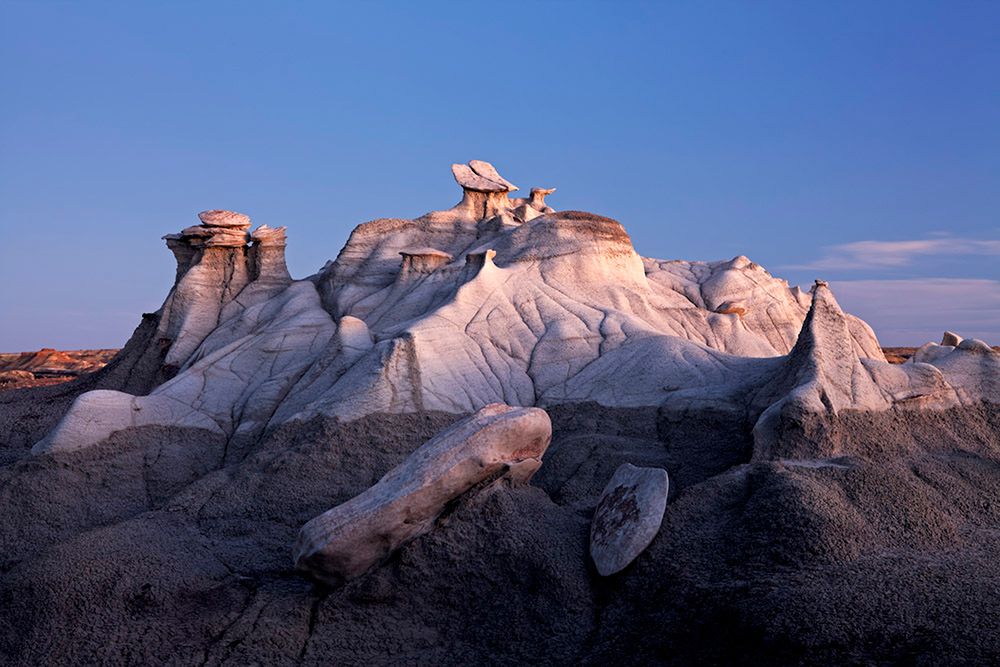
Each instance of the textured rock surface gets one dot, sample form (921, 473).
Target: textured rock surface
(149, 545)
(826, 507)
(460, 308)
(825, 375)
(627, 517)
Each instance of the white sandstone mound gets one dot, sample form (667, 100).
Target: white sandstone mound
(94, 416)
(235, 326)
(971, 367)
(627, 517)
(796, 403)
(825, 375)
(481, 303)
(498, 440)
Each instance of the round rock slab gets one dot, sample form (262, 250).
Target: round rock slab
(219, 218)
(627, 517)
(480, 176)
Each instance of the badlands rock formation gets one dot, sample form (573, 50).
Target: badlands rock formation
(449, 312)
(825, 506)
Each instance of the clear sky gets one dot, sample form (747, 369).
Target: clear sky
(857, 142)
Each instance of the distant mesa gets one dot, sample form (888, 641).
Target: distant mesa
(49, 366)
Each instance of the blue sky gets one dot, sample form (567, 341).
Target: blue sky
(857, 142)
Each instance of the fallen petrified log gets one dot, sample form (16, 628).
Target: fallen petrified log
(497, 441)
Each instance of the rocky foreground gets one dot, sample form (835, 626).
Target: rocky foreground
(496, 434)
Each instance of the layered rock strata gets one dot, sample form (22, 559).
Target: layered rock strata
(216, 261)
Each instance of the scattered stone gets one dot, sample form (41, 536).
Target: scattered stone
(627, 517)
(497, 441)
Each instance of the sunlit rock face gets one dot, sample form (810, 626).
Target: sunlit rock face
(472, 305)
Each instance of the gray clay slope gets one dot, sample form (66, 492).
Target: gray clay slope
(824, 506)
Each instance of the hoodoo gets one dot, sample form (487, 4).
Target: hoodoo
(484, 191)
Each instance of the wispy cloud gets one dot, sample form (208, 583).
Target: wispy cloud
(912, 312)
(893, 254)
